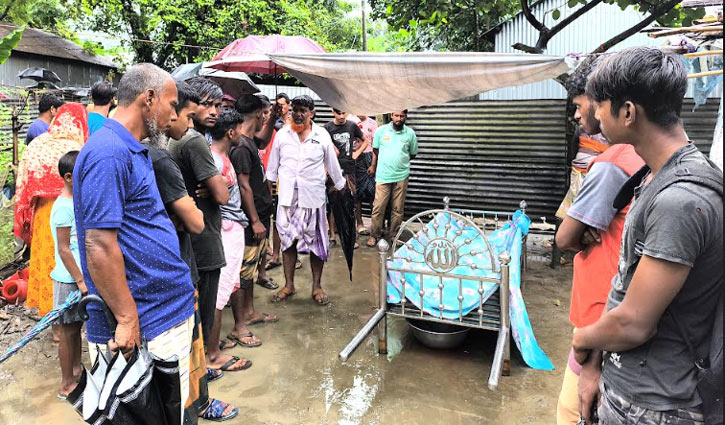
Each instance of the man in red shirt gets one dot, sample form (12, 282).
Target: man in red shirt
(593, 228)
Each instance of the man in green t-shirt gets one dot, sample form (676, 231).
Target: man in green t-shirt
(394, 146)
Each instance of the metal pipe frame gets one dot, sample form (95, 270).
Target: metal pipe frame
(502, 357)
(383, 248)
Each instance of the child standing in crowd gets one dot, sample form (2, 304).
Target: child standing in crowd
(67, 277)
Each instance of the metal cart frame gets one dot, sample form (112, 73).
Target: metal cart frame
(492, 313)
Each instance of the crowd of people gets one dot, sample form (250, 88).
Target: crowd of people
(177, 206)
(160, 198)
(644, 214)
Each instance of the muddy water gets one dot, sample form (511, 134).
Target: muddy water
(298, 379)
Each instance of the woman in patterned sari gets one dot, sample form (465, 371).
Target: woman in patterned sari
(38, 184)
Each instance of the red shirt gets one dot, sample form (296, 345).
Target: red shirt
(595, 266)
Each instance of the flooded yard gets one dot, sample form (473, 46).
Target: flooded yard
(297, 377)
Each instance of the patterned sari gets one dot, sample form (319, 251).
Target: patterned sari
(38, 184)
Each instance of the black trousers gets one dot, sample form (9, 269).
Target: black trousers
(208, 288)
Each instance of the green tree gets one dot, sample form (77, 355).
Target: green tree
(457, 25)
(664, 12)
(50, 15)
(165, 31)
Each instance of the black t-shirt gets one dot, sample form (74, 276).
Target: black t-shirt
(194, 159)
(343, 136)
(246, 160)
(171, 188)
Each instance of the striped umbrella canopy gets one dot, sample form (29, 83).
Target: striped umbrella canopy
(44, 323)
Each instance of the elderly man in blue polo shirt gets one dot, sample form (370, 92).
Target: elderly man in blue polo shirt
(129, 249)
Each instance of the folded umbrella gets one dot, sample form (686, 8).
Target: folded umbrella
(342, 206)
(139, 391)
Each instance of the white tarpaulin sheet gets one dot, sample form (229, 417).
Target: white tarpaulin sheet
(376, 83)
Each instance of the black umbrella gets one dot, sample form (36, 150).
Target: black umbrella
(139, 391)
(39, 74)
(235, 84)
(342, 206)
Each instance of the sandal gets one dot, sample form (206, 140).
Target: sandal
(272, 265)
(320, 297)
(228, 366)
(215, 411)
(265, 318)
(362, 230)
(227, 344)
(283, 294)
(238, 340)
(371, 243)
(268, 283)
(298, 265)
(213, 374)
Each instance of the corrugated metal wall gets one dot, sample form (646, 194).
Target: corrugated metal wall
(490, 155)
(493, 154)
(73, 74)
(583, 35)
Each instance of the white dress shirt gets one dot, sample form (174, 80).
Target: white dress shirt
(301, 164)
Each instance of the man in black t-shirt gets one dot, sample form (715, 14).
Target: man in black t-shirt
(345, 136)
(188, 219)
(194, 159)
(256, 203)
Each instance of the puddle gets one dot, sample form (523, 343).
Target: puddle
(297, 377)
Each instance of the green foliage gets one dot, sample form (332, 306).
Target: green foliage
(456, 25)
(8, 43)
(459, 25)
(169, 24)
(50, 15)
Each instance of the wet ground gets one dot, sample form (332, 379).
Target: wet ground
(297, 377)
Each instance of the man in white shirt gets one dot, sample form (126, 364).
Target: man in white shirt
(301, 158)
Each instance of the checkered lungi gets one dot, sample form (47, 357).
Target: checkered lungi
(307, 226)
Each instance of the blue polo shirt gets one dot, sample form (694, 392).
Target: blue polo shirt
(114, 187)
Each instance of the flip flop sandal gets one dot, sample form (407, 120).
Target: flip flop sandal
(227, 344)
(215, 411)
(268, 283)
(238, 339)
(320, 297)
(282, 295)
(362, 230)
(213, 374)
(371, 245)
(266, 318)
(227, 367)
(272, 265)
(298, 265)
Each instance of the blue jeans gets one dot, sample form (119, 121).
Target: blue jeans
(615, 410)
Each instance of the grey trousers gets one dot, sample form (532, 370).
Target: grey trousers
(615, 410)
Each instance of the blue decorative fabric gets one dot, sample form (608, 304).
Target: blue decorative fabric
(448, 247)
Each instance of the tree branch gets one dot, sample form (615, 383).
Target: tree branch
(571, 18)
(527, 49)
(656, 13)
(6, 11)
(526, 9)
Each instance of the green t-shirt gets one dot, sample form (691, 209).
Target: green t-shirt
(394, 151)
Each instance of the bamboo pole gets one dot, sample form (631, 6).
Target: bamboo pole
(686, 30)
(703, 53)
(705, 74)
